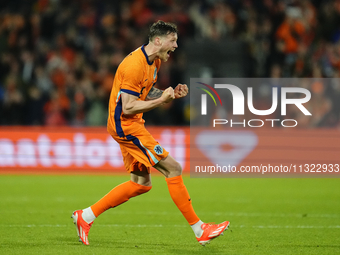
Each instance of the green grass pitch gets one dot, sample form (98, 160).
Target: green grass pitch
(268, 216)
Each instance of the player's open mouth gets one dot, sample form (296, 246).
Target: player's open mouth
(169, 51)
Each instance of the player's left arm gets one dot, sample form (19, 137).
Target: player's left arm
(181, 90)
(154, 93)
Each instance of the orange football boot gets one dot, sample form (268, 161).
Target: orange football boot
(211, 231)
(82, 226)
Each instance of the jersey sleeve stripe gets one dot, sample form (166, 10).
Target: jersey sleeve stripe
(118, 113)
(131, 92)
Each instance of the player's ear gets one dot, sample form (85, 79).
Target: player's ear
(158, 41)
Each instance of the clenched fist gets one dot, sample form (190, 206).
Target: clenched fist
(181, 90)
(168, 95)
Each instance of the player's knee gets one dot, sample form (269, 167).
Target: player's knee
(176, 169)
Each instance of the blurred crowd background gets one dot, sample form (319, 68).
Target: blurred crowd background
(58, 58)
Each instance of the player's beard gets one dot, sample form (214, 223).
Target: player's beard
(165, 56)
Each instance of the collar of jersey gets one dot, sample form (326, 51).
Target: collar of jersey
(146, 56)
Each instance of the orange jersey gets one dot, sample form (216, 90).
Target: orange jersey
(135, 75)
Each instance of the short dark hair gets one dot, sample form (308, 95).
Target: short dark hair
(161, 28)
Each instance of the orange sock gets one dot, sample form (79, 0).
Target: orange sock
(118, 195)
(180, 196)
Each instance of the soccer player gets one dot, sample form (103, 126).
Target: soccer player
(133, 93)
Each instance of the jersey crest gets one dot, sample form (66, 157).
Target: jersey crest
(158, 149)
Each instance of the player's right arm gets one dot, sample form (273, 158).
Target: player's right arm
(131, 104)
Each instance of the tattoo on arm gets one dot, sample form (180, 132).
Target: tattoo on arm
(154, 94)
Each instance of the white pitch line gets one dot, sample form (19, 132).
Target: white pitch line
(245, 214)
(178, 226)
